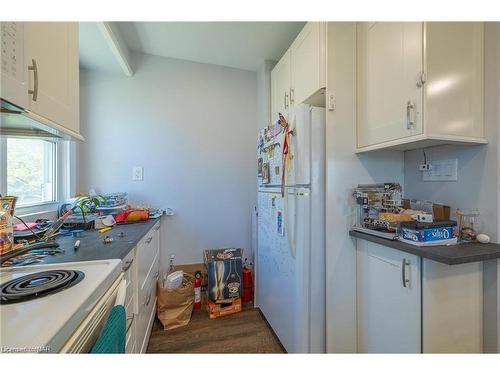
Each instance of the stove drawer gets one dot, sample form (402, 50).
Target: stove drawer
(131, 322)
(128, 266)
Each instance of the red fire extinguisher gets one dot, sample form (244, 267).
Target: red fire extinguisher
(197, 291)
(247, 285)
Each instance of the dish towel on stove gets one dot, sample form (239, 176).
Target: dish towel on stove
(112, 338)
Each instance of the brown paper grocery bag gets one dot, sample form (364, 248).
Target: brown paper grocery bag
(174, 306)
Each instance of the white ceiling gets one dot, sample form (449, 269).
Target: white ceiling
(242, 45)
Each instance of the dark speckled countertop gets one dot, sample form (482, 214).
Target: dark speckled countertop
(455, 254)
(93, 248)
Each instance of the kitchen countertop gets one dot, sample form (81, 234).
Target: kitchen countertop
(93, 248)
(455, 254)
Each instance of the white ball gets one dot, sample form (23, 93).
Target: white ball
(483, 238)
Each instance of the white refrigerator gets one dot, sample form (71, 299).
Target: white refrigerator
(290, 259)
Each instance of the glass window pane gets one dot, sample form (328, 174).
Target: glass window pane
(30, 170)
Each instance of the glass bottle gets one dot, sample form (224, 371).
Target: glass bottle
(233, 281)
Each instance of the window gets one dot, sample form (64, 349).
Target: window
(31, 171)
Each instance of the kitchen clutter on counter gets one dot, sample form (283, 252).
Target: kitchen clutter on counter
(24, 243)
(383, 212)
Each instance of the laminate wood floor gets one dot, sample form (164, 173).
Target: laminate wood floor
(244, 332)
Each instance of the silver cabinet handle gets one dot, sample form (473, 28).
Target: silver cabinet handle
(149, 239)
(158, 227)
(34, 92)
(157, 274)
(131, 319)
(410, 115)
(292, 96)
(404, 277)
(127, 265)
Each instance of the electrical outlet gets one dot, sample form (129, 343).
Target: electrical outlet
(442, 170)
(137, 174)
(425, 167)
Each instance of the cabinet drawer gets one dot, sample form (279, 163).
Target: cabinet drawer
(147, 251)
(147, 298)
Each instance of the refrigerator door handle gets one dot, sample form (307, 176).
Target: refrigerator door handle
(290, 232)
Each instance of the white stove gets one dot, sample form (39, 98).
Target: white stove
(41, 313)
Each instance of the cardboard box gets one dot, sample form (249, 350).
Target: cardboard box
(224, 274)
(439, 211)
(216, 310)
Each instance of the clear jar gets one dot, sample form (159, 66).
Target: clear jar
(468, 224)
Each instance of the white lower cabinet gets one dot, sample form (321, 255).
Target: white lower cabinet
(406, 304)
(148, 263)
(141, 268)
(388, 305)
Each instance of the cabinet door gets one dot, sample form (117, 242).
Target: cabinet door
(280, 87)
(308, 62)
(13, 74)
(388, 308)
(53, 48)
(389, 64)
(454, 71)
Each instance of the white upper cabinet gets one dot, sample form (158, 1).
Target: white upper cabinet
(300, 75)
(308, 57)
(13, 72)
(51, 57)
(280, 87)
(40, 72)
(389, 63)
(419, 84)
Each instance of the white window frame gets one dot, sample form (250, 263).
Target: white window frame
(64, 155)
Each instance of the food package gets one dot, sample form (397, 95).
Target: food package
(7, 207)
(132, 215)
(394, 218)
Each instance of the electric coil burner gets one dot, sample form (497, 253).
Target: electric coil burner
(39, 284)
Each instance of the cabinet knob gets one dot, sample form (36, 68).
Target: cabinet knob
(421, 79)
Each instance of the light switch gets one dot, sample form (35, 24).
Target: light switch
(442, 170)
(137, 173)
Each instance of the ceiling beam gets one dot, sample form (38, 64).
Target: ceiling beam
(117, 45)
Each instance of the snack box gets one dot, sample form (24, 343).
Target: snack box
(426, 232)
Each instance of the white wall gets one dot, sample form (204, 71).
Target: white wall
(345, 170)
(192, 127)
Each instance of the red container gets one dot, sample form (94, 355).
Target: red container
(247, 285)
